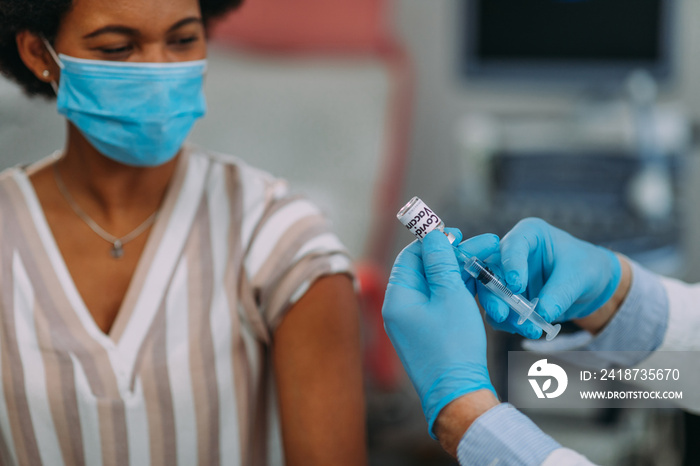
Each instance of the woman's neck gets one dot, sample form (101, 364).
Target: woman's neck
(118, 192)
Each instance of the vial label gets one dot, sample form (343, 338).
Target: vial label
(418, 218)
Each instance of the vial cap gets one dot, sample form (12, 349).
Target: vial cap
(420, 219)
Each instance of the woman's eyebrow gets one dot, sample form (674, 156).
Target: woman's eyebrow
(112, 29)
(184, 22)
(125, 30)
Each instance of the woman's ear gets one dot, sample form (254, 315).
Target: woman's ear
(33, 52)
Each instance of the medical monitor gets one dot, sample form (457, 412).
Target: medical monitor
(590, 42)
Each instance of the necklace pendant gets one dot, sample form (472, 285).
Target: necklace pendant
(117, 249)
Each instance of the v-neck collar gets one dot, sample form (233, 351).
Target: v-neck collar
(155, 266)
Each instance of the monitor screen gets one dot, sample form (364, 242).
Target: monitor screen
(567, 39)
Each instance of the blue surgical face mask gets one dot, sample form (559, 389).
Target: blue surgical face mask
(138, 114)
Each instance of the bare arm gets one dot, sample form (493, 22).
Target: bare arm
(316, 354)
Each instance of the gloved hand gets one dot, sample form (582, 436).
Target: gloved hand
(571, 278)
(434, 323)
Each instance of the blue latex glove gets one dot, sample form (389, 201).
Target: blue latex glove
(571, 278)
(434, 323)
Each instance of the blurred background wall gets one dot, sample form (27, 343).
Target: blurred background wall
(439, 168)
(431, 31)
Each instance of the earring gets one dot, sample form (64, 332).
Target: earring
(46, 73)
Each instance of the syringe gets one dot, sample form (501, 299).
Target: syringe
(421, 220)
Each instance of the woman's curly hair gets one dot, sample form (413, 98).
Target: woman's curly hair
(43, 17)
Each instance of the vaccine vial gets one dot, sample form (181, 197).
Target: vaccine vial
(421, 220)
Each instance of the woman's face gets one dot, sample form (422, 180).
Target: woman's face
(133, 30)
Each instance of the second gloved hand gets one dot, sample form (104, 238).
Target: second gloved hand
(571, 278)
(434, 323)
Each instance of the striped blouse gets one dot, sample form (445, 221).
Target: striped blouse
(183, 377)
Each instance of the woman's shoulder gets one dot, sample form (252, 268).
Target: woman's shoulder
(16, 173)
(7, 174)
(14, 188)
(8, 177)
(251, 179)
(258, 194)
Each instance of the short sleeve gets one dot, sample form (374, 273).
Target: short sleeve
(291, 246)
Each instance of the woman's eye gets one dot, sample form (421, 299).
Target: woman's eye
(115, 50)
(181, 41)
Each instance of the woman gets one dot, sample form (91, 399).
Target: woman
(160, 304)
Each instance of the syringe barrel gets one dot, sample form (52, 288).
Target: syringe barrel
(493, 283)
(486, 277)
